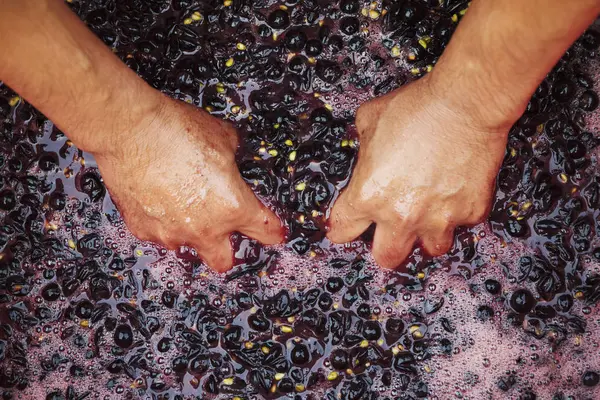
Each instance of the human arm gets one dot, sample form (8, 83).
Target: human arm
(169, 167)
(430, 151)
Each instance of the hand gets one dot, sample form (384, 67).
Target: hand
(176, 182)
(424, 167)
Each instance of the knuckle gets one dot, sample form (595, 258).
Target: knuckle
(478, 214)
(409, 216)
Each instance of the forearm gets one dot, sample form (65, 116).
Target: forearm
(503, 49)
(49, 57)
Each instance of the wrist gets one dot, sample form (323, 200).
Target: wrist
(121, 117)
(468, 88)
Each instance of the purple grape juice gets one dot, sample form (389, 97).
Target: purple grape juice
(89, 312)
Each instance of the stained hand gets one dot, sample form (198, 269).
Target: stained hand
(424, 167)
(175, 182)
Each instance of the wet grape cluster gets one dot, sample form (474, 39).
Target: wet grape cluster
(88, 311)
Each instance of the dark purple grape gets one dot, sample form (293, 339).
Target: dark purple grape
(404, 362)
(89, 244)
(232, 335)
(123, 336)
(485, 313)
(179, 5)
(297, 65)
(364, 311)
(421, 389)
(394, 326)
(544, 311)
(576, 149)
(300, 355)
(492, 286)
(17, 285)
(334, 284)
(48, 274)
(349, 25)
(4, 107)
(8, 200)
(211, 384)
(295, 40)
(339, 359)
(335, 43)
(168, 298)
(590, 378)
(258, 176)
(264, 31)
(528, 395)
(349, 6)
(300, 245)
(328, 71)
(588, 101)
(84, 309)
(244, 300)
(286, 385)
(313, 47)
(590, 40)
(321, 115)
(584, 81)
(564, 302)
(110, 324)
(55, 395)
(371, 330)
(412, 12)
(57, 201)
(48, 161)
(355, 44)
(279, 19)
(443, 30)
(51, 292)
(563, 90)
(77, 371)
(92, 186)
(506, 382)
(522, 301)
(325, 302)
(446, 346)
(199, 365)
(259, 322)
(180, 364)
(97, 17)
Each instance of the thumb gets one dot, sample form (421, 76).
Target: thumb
(346, 221)
(260, 223)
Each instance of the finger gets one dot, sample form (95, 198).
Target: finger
(346, 222)
(392, 244)
(438, 242)
(262, 224)
(215, 252)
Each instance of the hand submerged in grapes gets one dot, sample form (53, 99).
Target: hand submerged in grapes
(424, 167)
(176, 182)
